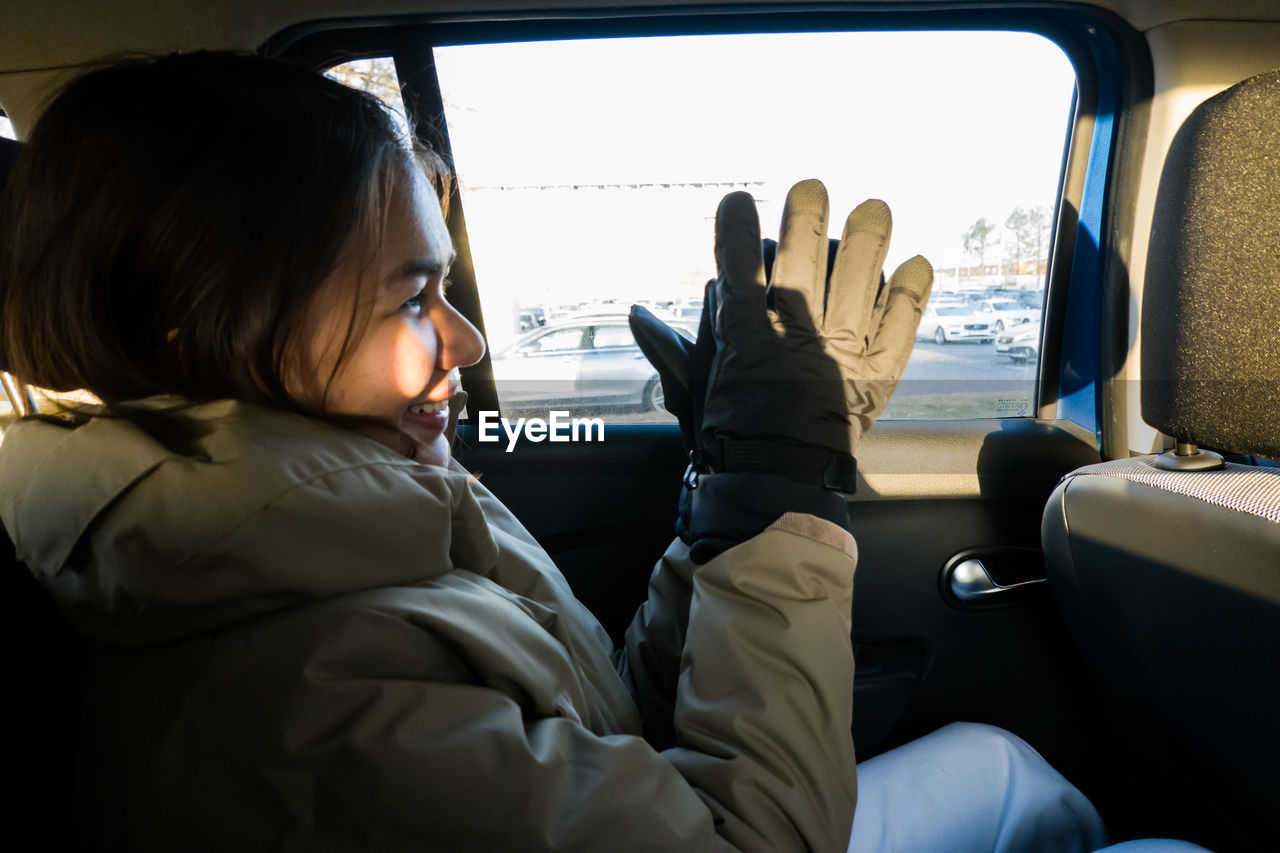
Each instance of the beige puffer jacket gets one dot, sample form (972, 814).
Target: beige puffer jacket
(305, 642)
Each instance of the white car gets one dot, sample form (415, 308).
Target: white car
(947, 323)
(1020, 343)
(1007, 312)
(690, 312)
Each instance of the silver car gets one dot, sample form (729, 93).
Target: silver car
(1021, 343)
(593, 361)
(947, 323)
(1005, 313)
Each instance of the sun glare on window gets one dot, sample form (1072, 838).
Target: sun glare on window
(590, 172)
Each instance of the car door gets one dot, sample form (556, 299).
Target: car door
(543, 367)
(615, 372)
(955, 477)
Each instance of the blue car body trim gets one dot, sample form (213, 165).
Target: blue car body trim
(1079, 378)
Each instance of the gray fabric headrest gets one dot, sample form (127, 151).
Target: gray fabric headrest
(1211, 303)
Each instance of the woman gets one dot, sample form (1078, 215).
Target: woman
(311, 629)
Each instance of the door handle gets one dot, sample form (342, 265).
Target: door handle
(992, 576)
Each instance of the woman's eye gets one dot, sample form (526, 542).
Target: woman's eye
(415, 304)
(418, 304)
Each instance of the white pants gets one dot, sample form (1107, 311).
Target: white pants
(970, 788)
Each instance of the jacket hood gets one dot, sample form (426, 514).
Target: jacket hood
(142, 544)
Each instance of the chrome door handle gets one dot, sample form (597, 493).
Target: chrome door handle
(970, 581)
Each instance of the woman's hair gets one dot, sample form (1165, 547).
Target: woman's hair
(171, 217)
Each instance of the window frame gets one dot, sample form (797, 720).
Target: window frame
(1080, 371)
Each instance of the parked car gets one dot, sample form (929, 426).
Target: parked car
(950, 323)
(1021, 343)
(1031, 298)
(532, 318)
(686, 313)
(593, 361)
(1002, 313)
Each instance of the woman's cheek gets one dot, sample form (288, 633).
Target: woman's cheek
(413, 358)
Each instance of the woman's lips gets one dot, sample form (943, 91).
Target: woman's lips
(429, 421)
(431, 415)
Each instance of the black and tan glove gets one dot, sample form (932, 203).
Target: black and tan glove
(806, 356)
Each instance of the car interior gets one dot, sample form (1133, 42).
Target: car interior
(1097, 571)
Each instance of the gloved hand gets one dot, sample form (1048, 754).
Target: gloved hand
(682, 365)
(798, 360)
(805, 358)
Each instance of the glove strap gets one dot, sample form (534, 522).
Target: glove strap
(834, 471)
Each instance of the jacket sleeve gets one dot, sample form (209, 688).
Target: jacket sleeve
(746, 670)
(376, 758)
(649, 660)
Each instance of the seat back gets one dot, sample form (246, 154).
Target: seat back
(1168, 578)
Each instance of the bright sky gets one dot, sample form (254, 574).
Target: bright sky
(945, 127)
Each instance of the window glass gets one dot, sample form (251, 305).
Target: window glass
(613, 336)
(590, 171)
(376, 76)
(6, 127)
(564, 339)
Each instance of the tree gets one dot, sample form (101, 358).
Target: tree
(375, 76)
(1018, 224)
(1029, 230)
(1039, 220)
(976, 239)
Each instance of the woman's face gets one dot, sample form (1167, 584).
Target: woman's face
(401, 367)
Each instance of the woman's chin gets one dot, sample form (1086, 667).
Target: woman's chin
(434, 452)
(422, 442)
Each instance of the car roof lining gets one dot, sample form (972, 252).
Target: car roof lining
(32, 39)
(38, 50)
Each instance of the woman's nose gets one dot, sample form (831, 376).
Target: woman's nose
(461, 344)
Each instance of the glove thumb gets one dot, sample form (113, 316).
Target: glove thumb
(670, 354)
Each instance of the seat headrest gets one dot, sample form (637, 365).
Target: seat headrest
(1211, 301)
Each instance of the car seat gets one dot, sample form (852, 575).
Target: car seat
(1167, 567)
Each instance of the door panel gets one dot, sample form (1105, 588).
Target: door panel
(927, 490)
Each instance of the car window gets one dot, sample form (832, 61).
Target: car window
(613, 336)
(556, 341)
(585, 188)
(377, 76)
(6, 127)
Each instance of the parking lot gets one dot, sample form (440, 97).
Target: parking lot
(955, 380)
(963, 380)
